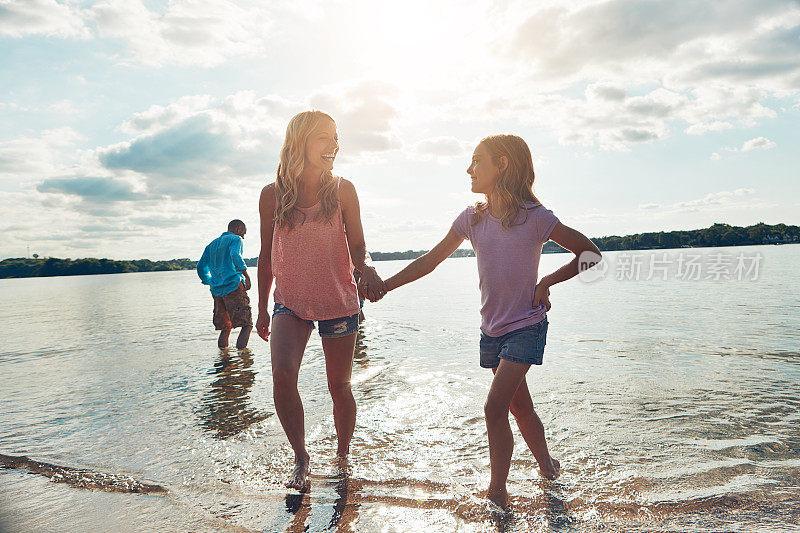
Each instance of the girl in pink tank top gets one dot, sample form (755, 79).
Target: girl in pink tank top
(311, 241)
(312, 266)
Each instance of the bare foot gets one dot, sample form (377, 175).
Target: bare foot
(499, 498)
(552, 472)
(341, 466)
(299, 477)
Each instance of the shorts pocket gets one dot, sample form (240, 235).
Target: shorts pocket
(526, 345)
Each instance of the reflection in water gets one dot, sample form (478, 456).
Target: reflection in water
(299, 506)
(556, 509)
(345, 507)
(503, 522)
(343, 513)
(225, 409)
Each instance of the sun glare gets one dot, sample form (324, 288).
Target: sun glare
(416, 42)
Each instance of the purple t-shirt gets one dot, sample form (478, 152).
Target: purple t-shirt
(508, 265)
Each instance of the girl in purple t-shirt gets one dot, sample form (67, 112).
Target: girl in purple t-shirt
(507, 232)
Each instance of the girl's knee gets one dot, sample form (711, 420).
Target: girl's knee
(340, 390)
(284, 377)
(494, 409)
(521, 409)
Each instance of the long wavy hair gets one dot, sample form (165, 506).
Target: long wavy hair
(514, 186)
(290, 168)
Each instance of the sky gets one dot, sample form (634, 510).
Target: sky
(138, 129)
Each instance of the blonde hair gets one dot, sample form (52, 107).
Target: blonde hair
(514, 186)
(290, 168)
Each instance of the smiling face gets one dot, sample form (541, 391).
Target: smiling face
(483, 171)
(321, 147)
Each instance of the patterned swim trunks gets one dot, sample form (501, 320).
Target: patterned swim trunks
(232, 310)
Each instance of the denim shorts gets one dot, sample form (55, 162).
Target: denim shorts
(524, 345)
(328, 329)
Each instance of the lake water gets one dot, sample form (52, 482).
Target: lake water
(672, 405)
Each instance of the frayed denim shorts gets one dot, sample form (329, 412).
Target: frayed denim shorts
(328, 329)
(524, 345)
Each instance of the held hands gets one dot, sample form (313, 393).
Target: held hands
(541, 296)
(262, 325)
(371, 286)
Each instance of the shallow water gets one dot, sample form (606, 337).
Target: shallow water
(671, 404)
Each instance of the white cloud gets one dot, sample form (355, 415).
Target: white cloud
(192, 150)
(26, 221)
(442, 148)
(736, 198)
(34, 157)
(605, 91)
(197, 145)
(610, 123)
(365, 113)
(188, 32)
(718, 204)
(41, 17)
(610, 120)
(159, 117)
(739, 105)
(180, 32)
(647, 67)
(66, 226)
(633, 40)
(740, 206)
(759, 143)
(704, 127)
(61, 107)
(101, 190)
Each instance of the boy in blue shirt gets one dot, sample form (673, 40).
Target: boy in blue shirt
(222, 267)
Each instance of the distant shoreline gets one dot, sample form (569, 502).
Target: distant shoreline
(718, 235)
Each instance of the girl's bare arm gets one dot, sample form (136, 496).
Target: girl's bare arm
(266, 209)
(351, 212)
(426, 263)
(586, 254)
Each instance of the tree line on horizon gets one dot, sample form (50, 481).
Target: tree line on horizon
(716, 235)
(24, 267)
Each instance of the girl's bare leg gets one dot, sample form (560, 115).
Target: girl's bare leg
(532, 431)
(339, 367)
(287, 344)
(507, 378)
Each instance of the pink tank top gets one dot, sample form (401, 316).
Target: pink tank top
(312, 266)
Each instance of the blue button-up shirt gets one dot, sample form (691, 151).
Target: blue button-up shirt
(222, 265)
